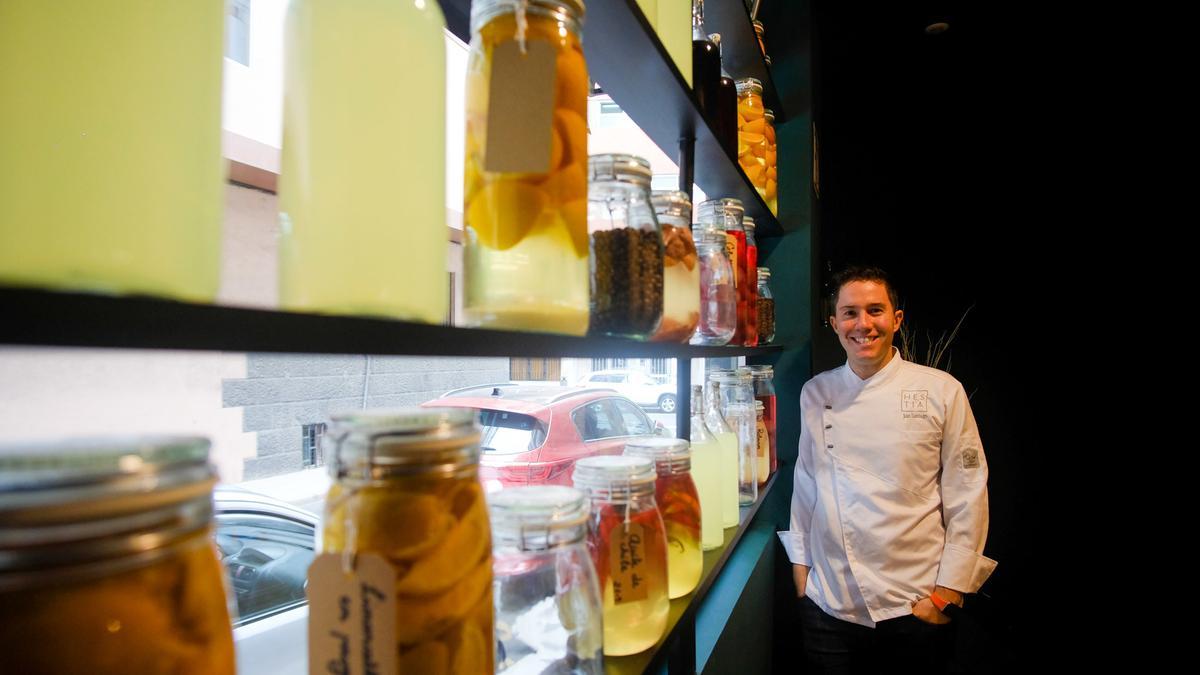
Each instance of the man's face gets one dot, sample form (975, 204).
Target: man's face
(865, 323)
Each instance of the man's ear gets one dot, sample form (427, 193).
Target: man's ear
(899, 318)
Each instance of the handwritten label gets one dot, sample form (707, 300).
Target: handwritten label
(520, 117)
(627, 563)
(731, 252)
(351, 617)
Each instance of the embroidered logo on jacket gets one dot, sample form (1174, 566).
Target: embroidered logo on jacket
(914, 402)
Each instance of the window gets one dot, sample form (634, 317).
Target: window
(635, 421)
(237, 31)
(266, 557)
(610, 108)
(596, 420)
(312, 444)
(510, 433)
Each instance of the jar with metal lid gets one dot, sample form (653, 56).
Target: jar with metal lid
(727, 440)
(549, 616)
(679, 503)
(772, 154)
(718, 296)
(762, 445)
(525, 173)
(752, 139)
(737, 406)
(764, 392)
(749, 226)
(107, 564)
(727, 214)
(681, 267)
(406, 491)
(627, 248)
(628, 543)
(766, 307)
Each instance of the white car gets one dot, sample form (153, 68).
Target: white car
(642, 389)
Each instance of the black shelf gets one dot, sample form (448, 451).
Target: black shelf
(681, 621)
(38, 317)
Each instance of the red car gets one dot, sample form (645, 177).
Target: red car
(533, 434)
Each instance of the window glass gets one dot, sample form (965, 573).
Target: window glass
(266, 557)
(510, 433)
(635, 421)
(597, 420)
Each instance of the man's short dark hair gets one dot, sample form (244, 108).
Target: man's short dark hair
(861, 273)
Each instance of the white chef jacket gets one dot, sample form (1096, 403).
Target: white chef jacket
(890, 493)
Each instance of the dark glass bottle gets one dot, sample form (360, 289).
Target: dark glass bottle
(706, 65)
(725, 115)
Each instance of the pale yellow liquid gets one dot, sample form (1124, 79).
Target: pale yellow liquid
(675, 32)
(650, 9)
(681, 296)
(362, 190)
(634, 627)
(684, 561)
(729, 478)
(706, 472)
(110, 145)
(538, 284)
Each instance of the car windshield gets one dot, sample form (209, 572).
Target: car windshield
(510, 433)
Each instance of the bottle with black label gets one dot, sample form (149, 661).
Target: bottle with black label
(706, 64)
(725, 111)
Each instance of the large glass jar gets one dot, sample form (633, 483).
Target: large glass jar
(748, 225)
(627, 248)
(737, 407)
(727, 214)
(752, 139)
(111, 177)
(718, 297)
(107, 564)
(706, 470)
(681, 267)
(628, 543)
(772, 192)
(406, 489)
(548, 612)
(362, 206)
(766, 307)
(525, 247)
(679, 503)
(727, 440)
(764, 392)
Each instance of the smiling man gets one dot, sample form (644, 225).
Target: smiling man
(889, 508)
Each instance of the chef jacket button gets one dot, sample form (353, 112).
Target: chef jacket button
(830, 445)
(828, 426)
(829, 407)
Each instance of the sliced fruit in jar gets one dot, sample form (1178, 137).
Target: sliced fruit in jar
(504, 211)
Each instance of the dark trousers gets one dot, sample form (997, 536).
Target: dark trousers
(901, 645)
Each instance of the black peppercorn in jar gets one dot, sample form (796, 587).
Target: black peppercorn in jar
(627, 248)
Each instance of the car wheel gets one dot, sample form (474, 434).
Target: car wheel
(666, 403)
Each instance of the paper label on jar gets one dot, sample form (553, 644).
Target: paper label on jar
(731, 252)
(520, 108)
(627, 563)
(351, 617)
(764, 445)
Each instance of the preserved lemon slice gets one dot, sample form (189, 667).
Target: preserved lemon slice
(755, 126)
(771, 156)
(572, 82)
(749, 112)
(574, 215)
(398, 525)
(567, 184)
(573, 128)
(504, 211)
(769, 132)
(470, 652)
(771, 173)
(751, 139)
(427, 658)
(452, 558)
(755, 173)
(420, 619)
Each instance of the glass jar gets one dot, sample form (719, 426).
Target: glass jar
(764, 392)
(737, 406)
(762, 444)
(727, 440)
(405, 487)
(766, 307)
(525, 183)
(547, 599)
(111, 176)
(627, 248)
(628, 543)
(727, 214)
(362, 201)
(107, 563)
(752, 288)
(679, 503)
(681, 267)
(718, 296)
(772, 190)
(706, 471)
(752, 139)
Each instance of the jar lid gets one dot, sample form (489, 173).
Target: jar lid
(730, 377)
(728, 208)
(762, 372)
(70, 502)
(373, 444)
(567, 11)
(747, 223)
(537, 517)
(769, 114)
(764, 273)
(672, 203)
(748, 85)
(614, 472)
(620, 168)
(670, 455)
(758, 26)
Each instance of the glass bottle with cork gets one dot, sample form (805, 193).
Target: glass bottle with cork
(706, 471)
(727, 439)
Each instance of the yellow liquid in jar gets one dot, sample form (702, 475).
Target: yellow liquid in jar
(730, 475)
(675, 32)
(706, 471)
(111, 177)
(685, 562)
(362, 189)
(681, 303)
